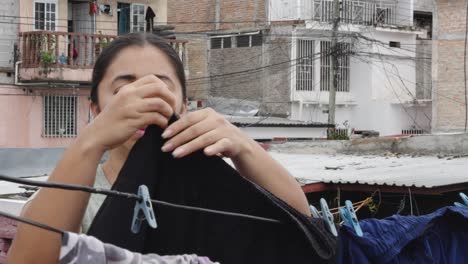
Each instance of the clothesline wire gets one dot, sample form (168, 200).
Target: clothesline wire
(30, 222)
(113, 193)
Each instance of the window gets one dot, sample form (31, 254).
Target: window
(59, 115)
(227, 43)
(394, 44)
(45, 15)
(243, 41)
(256, 40)
(138, 17)
(343, 66)
(413, 131)
(221, 43)
(305, 65)
(249, 40)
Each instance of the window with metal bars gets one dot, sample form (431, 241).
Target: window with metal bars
(305, 65)
(413, 131)
(245, 41)
(45, 13)
(59, 115)
(221, 43)
(343, 72)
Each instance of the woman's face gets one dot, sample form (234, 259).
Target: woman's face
(133, 63)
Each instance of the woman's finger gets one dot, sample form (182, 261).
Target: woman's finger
(198, 143)
(155, 104)
(184, 122)
(189, 134)
(157, 89)
(218, 148)
(152, 118)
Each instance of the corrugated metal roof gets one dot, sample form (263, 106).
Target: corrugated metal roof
(265, 121)
(405, 171)
(27, 162)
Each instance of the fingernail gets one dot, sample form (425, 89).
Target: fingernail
(208, 150)
(166, 147)
(166, 133)
(140, 132)
(177, 152)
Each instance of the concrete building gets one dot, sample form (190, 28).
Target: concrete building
(449, 71)
(57, 42)
(9, 32)
(278, 53)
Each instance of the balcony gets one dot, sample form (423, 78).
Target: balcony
(358, 12)
(66, 56)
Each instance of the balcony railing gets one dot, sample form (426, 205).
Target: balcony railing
(61, 49)
(357, 12)
(70, 50)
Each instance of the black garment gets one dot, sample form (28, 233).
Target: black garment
(149, 17)
(207, 182)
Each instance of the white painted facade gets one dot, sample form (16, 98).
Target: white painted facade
(382, 79)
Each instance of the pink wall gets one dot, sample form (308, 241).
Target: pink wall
(21, 117)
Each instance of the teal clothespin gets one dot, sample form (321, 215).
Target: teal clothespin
(464, 198)
(327, 217)
(143, 211)
(315, 213)
(349, 217)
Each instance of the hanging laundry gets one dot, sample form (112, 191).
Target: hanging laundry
(79, 248)
(208, 182)
(440, 237)
(149, 17)
(93, 8)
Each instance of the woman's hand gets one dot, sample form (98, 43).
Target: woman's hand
(205, 129)
(136, 105)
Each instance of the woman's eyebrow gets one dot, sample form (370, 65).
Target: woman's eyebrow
(124, 77)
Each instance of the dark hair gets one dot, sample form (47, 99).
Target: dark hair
(134, 39)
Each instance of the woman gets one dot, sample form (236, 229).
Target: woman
(138, 81)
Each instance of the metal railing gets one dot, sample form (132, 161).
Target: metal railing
(70, 49)
(357, 12)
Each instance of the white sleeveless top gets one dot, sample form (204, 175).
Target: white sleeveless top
(95, 200)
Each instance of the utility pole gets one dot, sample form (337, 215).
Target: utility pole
(334, 67)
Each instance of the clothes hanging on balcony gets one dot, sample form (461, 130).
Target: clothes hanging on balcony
(149, 17)
(439, 237)
(207, 182)
(93, 8)
(79, 248)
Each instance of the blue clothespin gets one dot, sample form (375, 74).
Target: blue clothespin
(327, 217)
(143, 211)
(349, 217)
(464, 198)
(315, 213)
